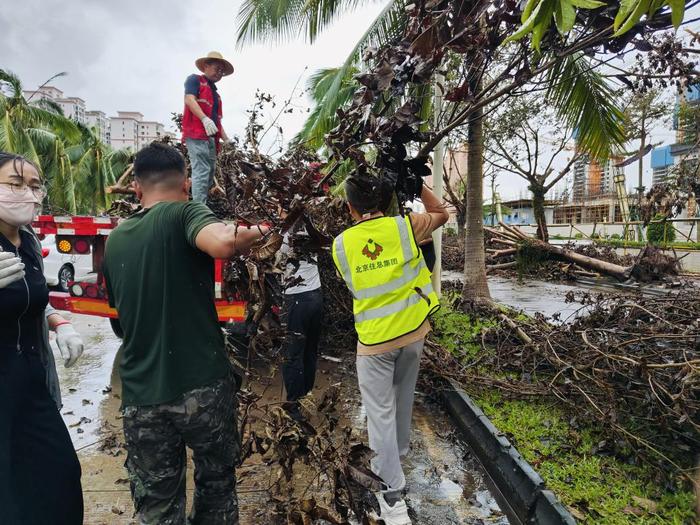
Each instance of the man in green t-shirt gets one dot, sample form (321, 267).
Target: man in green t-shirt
(178, 386)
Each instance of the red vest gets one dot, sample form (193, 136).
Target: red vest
(192, 127)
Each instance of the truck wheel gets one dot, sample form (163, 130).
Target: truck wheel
(116, 328)
(65, 275)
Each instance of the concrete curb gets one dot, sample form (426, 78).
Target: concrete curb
(520, 491)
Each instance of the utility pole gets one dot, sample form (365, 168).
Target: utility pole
(438, 163)
(640, 186)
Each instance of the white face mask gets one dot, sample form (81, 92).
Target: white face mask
(17, 209)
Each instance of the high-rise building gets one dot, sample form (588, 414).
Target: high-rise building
(44, 92)
(73, 107)
(686, 120)
(124, 129)
(98, 121)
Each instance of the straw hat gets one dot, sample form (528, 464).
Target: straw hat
(214, 55)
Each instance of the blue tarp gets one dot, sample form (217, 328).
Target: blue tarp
(661, 157)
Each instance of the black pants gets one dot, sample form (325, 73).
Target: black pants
(39, 469)
(304, 315)
(428, 250)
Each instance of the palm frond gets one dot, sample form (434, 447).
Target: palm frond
(49, 105)
(282, 20)
(326, 101)
(586, 103)
(332, 88)
(14, 82)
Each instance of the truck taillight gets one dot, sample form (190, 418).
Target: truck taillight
(82, 246)
(64, 246)
(72, 244)
(44, 252)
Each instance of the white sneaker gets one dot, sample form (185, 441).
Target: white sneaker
(393, 515)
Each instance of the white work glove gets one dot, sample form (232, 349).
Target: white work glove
(11, 269)
(209, 126)
(69, 343)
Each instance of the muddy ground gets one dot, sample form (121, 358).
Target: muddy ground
(445, 484)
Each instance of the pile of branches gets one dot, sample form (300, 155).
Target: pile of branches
(327, 455)
(631, 365)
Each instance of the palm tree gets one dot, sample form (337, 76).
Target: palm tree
(275, 21)
(37, 130)
(95, 166)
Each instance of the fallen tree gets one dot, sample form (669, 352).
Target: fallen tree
(649, 266)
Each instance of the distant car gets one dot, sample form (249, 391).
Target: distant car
(61, 268)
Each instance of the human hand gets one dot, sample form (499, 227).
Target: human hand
(11, 269)
(209, 126)
(69, 343)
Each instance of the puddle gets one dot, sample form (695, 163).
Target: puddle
(87, 389)
(531, 296)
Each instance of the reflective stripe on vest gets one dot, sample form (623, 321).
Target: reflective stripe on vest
(386, 274)
(393, 308)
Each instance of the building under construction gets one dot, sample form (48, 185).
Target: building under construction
(594, 194)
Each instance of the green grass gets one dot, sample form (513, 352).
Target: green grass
(598, 487)
(458, 333)
(621, 243)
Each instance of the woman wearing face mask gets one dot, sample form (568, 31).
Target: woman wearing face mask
(39, 469)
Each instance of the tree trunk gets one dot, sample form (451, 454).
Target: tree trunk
(476, 289)
(461, 219)
(538, 193)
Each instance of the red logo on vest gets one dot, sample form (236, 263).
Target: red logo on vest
(372, 250)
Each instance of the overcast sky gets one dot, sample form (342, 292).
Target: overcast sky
(134, 55)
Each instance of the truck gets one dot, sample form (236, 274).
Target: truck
(81, 235)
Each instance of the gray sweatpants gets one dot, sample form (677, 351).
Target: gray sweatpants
(202, 155)
(387, 383)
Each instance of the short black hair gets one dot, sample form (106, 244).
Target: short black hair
(368, 194)
(363, 193)
(6, 157)
(159, 163)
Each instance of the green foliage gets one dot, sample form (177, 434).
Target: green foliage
(599, 486)
(449, 231)
(615, 236)
(586, 102)
(578, 235)
(660, 232)
(327, 98)
(75, 165)
(538, 15)
(458, 332)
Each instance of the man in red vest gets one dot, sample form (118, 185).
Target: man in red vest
(201, 121)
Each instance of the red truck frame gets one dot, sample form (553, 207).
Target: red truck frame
(83, 235)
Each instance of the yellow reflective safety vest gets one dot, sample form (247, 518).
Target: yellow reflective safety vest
(390, 283)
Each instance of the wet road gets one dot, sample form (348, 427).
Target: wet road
(445, 485)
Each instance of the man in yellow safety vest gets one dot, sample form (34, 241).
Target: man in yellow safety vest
(382, 265)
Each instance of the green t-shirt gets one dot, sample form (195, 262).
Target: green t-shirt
(163, 289)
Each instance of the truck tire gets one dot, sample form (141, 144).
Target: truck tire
(116, 328)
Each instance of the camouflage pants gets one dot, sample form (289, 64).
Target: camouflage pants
(204, 420)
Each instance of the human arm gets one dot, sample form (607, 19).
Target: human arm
(433, 207)
(425, 223)
(191, 102)
(222, 241)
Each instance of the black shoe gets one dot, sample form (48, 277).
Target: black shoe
(294, 411)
